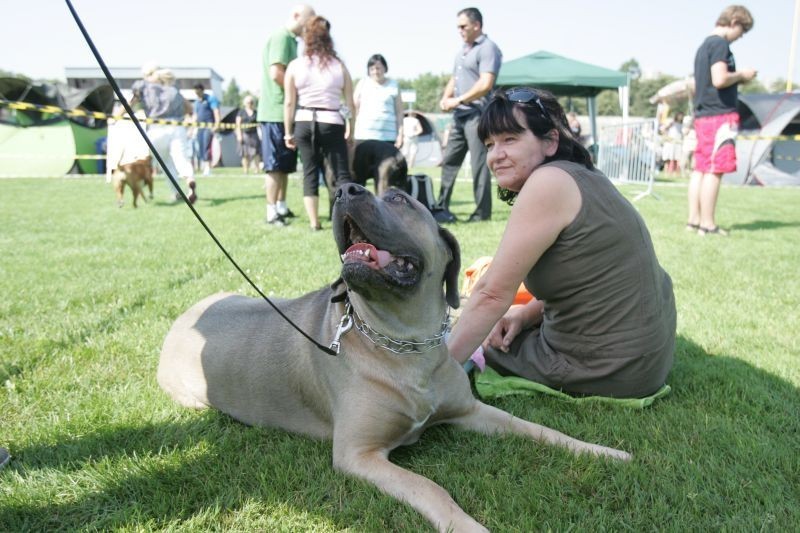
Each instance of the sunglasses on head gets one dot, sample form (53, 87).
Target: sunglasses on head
(523, 95)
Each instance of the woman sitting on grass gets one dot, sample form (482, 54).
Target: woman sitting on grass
(603, 322)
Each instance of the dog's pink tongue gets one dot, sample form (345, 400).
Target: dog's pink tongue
(366, 252)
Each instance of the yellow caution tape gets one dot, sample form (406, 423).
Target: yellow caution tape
(77, 112)
(771, 138)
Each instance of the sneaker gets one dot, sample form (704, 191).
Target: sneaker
(277, 221)
(192, 194)
(5, 457)
(444, 216)
(288, 214)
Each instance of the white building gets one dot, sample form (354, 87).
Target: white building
(185, 79)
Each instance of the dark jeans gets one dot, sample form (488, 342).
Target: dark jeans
(328, 143)
(463, 138)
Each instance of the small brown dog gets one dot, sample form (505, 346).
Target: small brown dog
(134, 175)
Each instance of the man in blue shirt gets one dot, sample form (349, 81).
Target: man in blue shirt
(474, 73)
(206, 109)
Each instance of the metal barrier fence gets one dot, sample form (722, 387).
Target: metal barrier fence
(627, 153)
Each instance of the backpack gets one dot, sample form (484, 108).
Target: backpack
(420, 186)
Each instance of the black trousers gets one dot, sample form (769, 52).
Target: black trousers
(463, 138)
(318, 141)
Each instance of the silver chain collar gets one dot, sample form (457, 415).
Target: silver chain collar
(351, 318)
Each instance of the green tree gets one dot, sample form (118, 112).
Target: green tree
(429, 88)
(779, 86)
(754, 86)
(232, 95)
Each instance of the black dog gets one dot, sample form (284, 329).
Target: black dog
(381, 161)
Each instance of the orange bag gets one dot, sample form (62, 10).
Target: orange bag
(477, 269)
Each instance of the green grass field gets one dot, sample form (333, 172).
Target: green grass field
(90, 290)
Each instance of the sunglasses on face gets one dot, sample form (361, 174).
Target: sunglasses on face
(526, 96)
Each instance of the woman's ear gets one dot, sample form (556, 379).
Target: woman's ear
(551, 146)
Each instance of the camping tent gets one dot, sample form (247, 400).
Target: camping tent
(429, 146)
(33, 143)
(563, 77)
(761, 158)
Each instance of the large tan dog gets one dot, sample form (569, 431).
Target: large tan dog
(393, 377)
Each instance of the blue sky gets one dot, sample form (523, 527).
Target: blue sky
(39, 37)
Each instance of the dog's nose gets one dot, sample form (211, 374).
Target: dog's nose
(350, 190)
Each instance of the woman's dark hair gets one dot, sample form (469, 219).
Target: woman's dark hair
(543, 114)
(377, 58)
(317, 38)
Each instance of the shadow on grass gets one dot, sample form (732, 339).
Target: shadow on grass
(764, 225)
(718, 453)
(170, 471)
(209, 201)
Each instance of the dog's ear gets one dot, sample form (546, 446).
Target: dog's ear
(452, 270)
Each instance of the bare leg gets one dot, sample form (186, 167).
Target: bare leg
(709, 192)
(694, 197)
(311, 204)
(282, 184)
(275, 180)
(245, 165)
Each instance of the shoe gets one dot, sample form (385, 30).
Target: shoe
(207, 172)
(277, 221)
(192, 194)
(5, 457)
(716, 230)
(475, 217)
(692, 227)
(318, 227)
(444, 216)
(288, 214)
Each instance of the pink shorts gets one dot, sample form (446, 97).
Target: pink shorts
(716, 143)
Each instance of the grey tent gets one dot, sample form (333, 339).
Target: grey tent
(763, 159)
(229, 148)
(429, 146)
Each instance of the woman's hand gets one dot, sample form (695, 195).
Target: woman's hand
(507, 328)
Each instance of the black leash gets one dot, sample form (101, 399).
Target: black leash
(131, 114)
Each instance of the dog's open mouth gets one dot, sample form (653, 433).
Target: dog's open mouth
(402, 269)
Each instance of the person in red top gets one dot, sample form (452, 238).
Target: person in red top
(716, 118)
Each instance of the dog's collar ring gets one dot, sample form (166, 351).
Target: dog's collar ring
(345, 324)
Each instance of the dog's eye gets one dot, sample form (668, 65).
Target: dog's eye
(398, 199)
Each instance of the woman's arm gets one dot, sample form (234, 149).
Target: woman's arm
(398, 113)
(548, 202)
(347, 91)
(289, 106)
(239, 128)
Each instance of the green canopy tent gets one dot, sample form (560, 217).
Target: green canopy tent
(563, 77)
